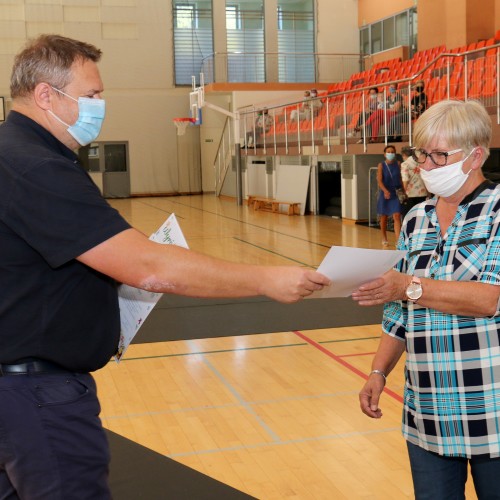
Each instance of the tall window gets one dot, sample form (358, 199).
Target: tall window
(296, 41)
(245, 41)
(389, 33)
(193, 38)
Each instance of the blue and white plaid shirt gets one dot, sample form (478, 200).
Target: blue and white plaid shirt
(452, 389)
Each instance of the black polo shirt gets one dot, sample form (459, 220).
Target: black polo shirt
(51, 306)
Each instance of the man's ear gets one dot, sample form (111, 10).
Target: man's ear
(43, 95)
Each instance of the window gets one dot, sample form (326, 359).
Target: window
(296, 41)
(245, 41)
(233, 17)
(185, 18)
(389, 33)
(193, 38)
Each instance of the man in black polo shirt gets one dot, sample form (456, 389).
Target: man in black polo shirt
(62, 251)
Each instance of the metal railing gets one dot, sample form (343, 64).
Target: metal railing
(342, 118)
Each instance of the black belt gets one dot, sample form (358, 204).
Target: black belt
(32, 366)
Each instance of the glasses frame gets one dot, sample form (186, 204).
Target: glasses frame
(429, 155)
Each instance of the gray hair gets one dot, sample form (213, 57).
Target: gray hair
(464, 125)
(48, 58)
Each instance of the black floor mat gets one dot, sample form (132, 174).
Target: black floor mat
(138, 473)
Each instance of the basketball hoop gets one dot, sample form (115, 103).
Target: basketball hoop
(182, 123)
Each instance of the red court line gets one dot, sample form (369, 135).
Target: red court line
(347, 365)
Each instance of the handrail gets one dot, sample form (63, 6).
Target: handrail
(287, 137)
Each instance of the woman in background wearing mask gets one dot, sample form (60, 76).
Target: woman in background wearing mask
(419, 100)
(393, 106)
(388, 180)
(372, 103)
(442, 308)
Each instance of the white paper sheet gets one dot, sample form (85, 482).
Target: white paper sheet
(349, 268)
(136, 304)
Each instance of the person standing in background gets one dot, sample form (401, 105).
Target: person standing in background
(412, 181)
(388, 204)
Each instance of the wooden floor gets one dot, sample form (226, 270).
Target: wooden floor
(273, 415)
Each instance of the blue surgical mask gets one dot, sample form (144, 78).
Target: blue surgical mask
(392, 90)
(91, 113)
(390, 156)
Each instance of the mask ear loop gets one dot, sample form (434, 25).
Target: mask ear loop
(467, 157)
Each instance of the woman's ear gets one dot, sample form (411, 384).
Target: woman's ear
(477, 158)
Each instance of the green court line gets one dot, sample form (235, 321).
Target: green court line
(219, 351)
(271, 251)
(234, 219)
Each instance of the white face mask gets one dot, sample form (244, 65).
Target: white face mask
(447, 180)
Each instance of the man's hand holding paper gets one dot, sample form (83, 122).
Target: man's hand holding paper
(349, 269)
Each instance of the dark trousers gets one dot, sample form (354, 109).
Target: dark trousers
(52, 444)
(443, 478)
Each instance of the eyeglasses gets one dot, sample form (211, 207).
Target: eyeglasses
(439, 158)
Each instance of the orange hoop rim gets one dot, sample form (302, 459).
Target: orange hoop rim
(185, 119)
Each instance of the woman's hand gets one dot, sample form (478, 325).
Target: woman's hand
(369, 396)
(387, 194)
(390, 286)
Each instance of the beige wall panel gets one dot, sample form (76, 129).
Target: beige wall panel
(123, 31)
(119, 3)
(145, 120)
(337, 29)
(455, 23)
(41, 2)
(13, 29)
(34, 29)
(12, 12)
(9, 46)
(370, 11)
(480, 22)
(119, 15)
(12, 2)
(44, 13)
(87, 32)
(82, 14)
(82, 3)
(135, 64)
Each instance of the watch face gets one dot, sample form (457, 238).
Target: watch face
(414, 291)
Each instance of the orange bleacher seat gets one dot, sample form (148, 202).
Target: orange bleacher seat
(490, 86)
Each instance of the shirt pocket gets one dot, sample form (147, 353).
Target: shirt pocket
(469, 257)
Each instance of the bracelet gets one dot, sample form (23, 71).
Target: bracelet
(380, 372)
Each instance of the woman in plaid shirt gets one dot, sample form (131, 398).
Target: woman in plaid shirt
(442, 309)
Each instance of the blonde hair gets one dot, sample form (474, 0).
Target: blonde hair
(463, 125)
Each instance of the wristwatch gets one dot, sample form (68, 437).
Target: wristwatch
(414, 289)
